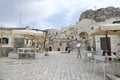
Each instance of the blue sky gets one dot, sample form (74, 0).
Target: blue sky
(47, 14)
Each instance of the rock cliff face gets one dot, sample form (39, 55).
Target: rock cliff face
(101, 14)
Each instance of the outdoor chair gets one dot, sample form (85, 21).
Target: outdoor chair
(89, 56)
(99, 62)
(99, 52)
(30, 55)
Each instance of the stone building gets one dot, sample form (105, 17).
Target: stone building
(83, 30)
(7, 42)
(67, 37)
(100, 40)
(10, 41)
(86, 27)
(61, 40)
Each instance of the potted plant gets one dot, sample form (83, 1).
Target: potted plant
(118, 60)
(88, 48)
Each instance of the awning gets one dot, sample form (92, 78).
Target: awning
(108, 29)
(29, 34)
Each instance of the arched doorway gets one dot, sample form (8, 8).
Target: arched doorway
(66, 49)
(58, 49)
(50, 48)
(84, 36)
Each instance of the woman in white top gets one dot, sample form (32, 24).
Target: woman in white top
(78, 48)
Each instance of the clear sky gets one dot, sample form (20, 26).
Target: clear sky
(47, 14)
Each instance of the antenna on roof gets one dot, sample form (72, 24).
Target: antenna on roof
(20, 20)
(95, 7)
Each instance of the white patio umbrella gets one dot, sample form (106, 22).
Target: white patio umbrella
(107, 29)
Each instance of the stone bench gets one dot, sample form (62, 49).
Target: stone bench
(13, 55)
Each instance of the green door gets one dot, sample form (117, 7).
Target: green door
(103, 43)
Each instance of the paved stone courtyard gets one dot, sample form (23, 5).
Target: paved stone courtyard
(56, 66)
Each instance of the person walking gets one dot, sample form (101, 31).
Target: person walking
(78, 48)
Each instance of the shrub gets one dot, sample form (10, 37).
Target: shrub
(89, 48)
(118, 60)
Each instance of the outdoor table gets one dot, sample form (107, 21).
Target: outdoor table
(112, 57)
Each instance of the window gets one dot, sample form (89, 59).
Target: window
(76, 39)
(114, 22)
(5, 40)
(60, 44)
(56, 33)
(92, 28)
(68, 43)
(72, 37)
(26, 41)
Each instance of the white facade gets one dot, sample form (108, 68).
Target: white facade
(114, 39)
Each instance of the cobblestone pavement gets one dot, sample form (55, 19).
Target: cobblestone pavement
(56, 66)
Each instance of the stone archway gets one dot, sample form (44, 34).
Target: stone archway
(84, 36)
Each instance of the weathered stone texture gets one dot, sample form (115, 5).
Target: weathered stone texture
(101, 14)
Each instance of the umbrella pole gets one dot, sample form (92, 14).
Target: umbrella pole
(107, 44)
